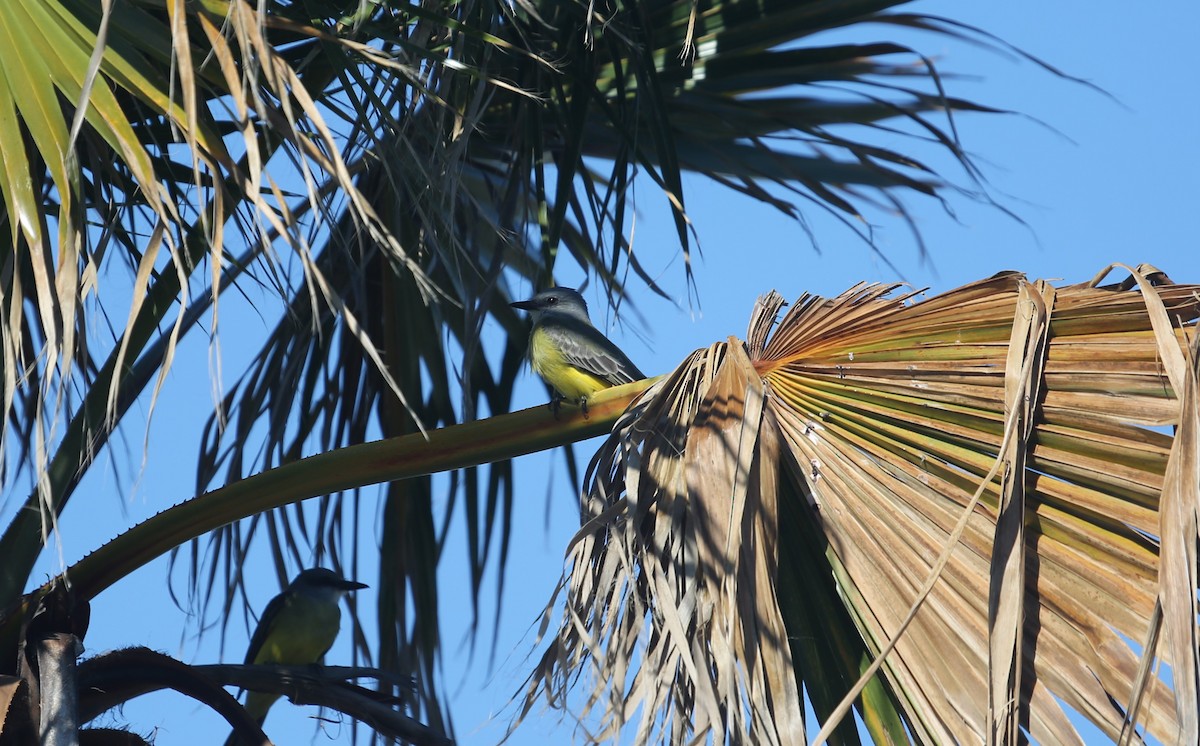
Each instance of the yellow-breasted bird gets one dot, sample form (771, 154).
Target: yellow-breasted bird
(297, 628)
(570, 354)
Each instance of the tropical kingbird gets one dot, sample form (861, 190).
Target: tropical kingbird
(297, 628)
(568, 352)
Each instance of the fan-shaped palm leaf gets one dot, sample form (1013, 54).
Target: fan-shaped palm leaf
(977, 479)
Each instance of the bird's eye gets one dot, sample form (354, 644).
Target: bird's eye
(552, 299)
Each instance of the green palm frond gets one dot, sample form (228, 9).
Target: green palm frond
(978, 474)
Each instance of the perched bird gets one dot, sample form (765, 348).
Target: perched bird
(297, 628)
(570, 354)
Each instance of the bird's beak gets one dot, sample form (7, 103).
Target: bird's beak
(524, 305)
(353, 585)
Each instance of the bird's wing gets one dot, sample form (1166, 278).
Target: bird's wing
(585, 347)
(266, 623)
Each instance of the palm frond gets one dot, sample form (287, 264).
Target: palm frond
(982, 474)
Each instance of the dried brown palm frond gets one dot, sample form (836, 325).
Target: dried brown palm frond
(976, 484)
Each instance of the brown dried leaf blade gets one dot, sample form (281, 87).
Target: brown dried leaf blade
(910, 437)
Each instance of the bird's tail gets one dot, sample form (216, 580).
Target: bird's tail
(257, 705)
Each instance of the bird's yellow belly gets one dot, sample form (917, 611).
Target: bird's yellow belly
(566, 379)
(301, 636)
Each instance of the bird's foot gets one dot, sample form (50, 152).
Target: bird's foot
(557, 400)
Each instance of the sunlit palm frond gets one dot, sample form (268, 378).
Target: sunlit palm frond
(158, 92)
(982, 474)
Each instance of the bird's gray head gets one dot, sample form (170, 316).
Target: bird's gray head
(564, 301)
(323, 582)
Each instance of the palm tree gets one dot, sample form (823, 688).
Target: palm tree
(388, 171)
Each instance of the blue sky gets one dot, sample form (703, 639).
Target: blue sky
(1094, 178)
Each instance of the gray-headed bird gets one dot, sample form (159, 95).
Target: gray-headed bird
(570, 354)
(297, 628)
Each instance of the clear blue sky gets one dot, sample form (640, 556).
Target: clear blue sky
(1099, 180)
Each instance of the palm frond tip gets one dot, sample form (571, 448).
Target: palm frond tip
(905, 439)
